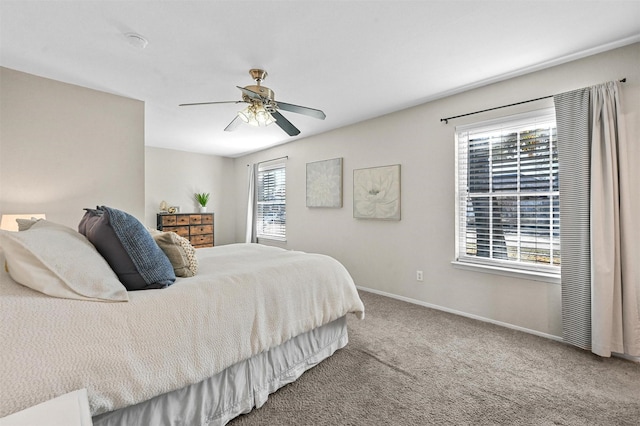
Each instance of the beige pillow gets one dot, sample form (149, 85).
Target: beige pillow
(180, 252)
(60, 262)
(24, 224)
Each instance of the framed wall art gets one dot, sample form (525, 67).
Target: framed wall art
(376, 193)
(324, 183)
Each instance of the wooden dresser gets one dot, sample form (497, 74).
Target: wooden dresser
(196, 227)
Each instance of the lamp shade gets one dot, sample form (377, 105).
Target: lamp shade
(9, 222)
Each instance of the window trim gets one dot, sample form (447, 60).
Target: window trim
(547, 273)
(551, 278)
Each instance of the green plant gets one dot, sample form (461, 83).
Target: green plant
(202, 198)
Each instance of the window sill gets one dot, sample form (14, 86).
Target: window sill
(274, 240)
(508, 272)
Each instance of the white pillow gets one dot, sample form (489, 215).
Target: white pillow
(60, 262)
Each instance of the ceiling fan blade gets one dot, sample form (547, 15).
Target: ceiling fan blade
(234, 123)
(315, 113)
(251, 94)
(210, 103)
(285, 124)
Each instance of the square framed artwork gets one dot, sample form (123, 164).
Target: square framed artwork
(376, 193)
(324, 183)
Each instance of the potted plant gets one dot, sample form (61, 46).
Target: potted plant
(202, 199)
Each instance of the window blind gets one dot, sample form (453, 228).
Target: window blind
(271, 215)
(507, 201)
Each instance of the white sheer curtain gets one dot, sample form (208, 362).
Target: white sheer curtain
(615, 253)
(251, 236)
(596, 166)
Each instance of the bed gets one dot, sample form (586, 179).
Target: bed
(200, 352)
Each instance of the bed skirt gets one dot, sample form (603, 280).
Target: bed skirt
(237, 389)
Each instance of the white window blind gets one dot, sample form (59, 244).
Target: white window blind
(507, 201)
(271, 216)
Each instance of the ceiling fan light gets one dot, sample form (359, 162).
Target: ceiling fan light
(245, 115)
(249, 117)
(270, 120)
(262, 116)
(256, 115)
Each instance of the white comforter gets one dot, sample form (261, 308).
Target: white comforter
(245, 299)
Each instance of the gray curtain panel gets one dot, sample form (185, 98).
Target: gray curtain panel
(572, 120)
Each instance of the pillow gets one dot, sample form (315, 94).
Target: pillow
(24, 224)
(128, 248)
(58, 261)
(180, 252)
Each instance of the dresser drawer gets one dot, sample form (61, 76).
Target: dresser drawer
(207, 219)
(183, 231)
(202, 240)
(201, 229)
(182, 219)
(168, 220)
(195, 219)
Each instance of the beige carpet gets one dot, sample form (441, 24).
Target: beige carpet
(410, 365)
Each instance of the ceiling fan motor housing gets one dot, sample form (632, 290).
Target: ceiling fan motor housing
(258, 75)
(268, 97)
(264, 91)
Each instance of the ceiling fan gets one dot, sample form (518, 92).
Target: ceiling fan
(263, 108)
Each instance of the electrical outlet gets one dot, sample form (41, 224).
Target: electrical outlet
(419, 276)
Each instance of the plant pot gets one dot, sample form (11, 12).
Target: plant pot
(203, 209)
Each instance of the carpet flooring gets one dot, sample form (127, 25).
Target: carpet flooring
(410, 365)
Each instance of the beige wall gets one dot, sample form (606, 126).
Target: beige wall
(175, 176)
(65, 147)
(385, 255)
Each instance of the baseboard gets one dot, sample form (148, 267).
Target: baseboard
(627, 357)
(464, 314)
(479, 318)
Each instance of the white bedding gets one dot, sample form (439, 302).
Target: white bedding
(245, 299)
(237, 389)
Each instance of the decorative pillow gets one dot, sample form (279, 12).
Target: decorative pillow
(180, 252)
(58, 261)
(128, 248)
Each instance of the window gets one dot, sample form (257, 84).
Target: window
(507, 202)
(271, 216)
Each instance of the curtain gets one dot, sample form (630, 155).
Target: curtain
(572, 121)
(251, 236)
(600, 299)
(615, 287)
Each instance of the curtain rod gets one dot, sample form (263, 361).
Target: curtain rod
(446, 120)
(286, 157)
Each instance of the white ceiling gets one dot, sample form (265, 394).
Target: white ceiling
(354, 60)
